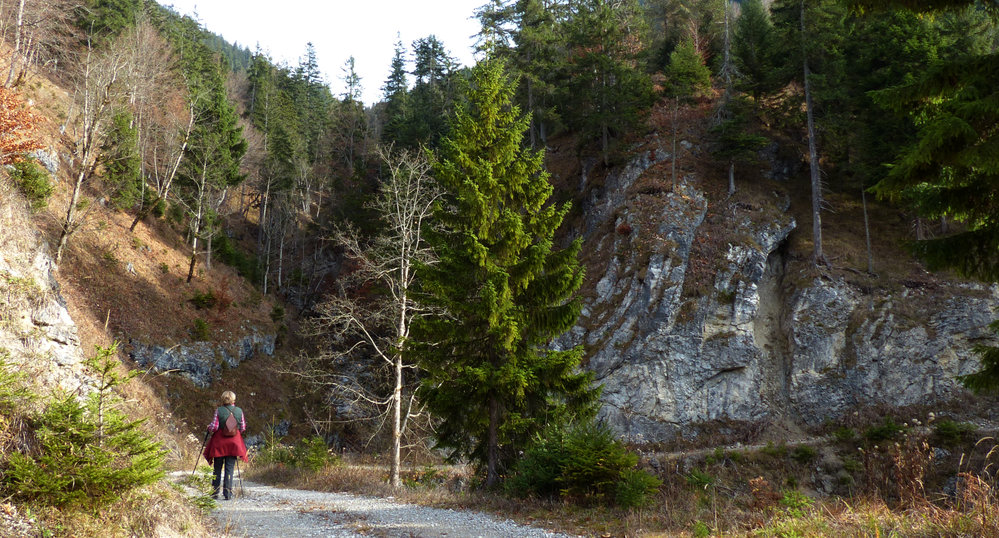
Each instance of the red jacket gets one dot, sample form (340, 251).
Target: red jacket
(219, 445)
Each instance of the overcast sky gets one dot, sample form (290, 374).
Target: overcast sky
(338, 29)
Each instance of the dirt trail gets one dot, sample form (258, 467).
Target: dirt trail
(265, 511)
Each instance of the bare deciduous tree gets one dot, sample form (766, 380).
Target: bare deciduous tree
(98, 91)
(356, 316)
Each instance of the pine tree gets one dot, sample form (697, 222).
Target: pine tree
(490, 374)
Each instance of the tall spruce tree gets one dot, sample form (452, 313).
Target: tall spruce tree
(396, 95)
(754, 46)
(490, 373)
(952, 168)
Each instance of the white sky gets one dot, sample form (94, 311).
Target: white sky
(338, 29)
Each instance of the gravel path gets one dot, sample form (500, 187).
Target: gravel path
(269, 511)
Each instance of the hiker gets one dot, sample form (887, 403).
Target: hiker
(226, 443)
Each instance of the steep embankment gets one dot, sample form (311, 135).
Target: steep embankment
(130, 287)
(704, 308)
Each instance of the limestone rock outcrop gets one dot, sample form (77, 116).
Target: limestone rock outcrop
(677, 339)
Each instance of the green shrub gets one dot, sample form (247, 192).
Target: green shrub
(778, 451)
(204, 300)
(33, 182)
(230, 254)
(887, 430)
(795, 502)
(313, 454)
(804, 454)
(585, 462)
(201, 330)
(635, 488)
(159, 208)
(844, 434)
(277, 313)
(700, 529)
(698, 479)
(539, 471)
(949, 432)
(85, 453)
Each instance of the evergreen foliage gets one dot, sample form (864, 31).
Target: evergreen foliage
(86, 454)
(605, 90)
(951, 169)
(733, 141)
(396, 96)
(754, 46)
(489, 373)
(122, 165)
(686, 76)
(33, 182)
(105, 19)
(583, 462)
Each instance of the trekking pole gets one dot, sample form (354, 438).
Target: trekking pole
(240, 476)
(198, 460)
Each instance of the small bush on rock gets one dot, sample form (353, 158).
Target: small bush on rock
(33, 182)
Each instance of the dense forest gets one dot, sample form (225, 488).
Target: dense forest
(420, 239)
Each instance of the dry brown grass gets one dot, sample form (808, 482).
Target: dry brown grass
(750, 493)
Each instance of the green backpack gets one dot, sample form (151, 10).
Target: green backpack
(230, 426)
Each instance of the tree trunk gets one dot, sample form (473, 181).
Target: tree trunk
(676, 108)
(867, 233)
(813, 152)
(492, 458)
(17, 44)
(731, 178)
(604, 128)
(69, 224)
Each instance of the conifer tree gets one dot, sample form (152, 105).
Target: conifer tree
(396, 95)
(812, 31)
(490, 373)
(686, 78)
(754, 47)
(733, 141)
(952, 168)
(120, 156)
(605, 91)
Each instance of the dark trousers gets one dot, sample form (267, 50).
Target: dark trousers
(228, 462)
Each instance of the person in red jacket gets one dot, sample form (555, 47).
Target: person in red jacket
(226, 443)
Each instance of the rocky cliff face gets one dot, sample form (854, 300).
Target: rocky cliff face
(680, 334)
(37, 335)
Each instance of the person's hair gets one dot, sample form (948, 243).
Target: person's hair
(228, 397)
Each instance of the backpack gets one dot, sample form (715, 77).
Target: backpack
(231, 426)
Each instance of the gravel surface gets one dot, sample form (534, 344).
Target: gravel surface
(269, 511)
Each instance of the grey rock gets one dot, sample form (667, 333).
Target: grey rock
(760, 344)
(48, 159)
(200, 362)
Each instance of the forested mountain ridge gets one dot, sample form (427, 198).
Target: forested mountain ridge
(209, 211)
